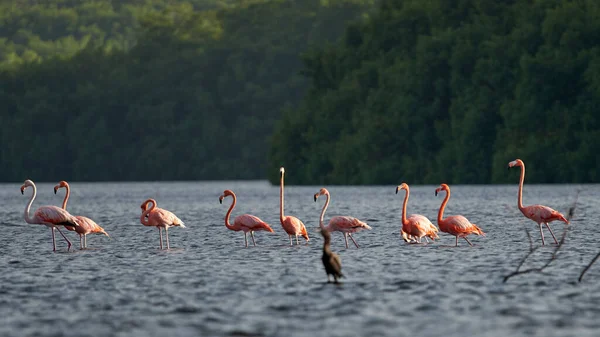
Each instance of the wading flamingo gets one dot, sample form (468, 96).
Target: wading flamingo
(538, 213)
(292, 225)
(344, 224)
(456, 225)
(416, 226)
(159, 218)
(50, 216)
(244, 222)
(86, 225)
(331, 261)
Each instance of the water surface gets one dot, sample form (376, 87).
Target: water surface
(209, 284)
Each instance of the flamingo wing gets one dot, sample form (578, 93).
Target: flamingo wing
(55, 215)
(461, 226)
(162, 217)
(347, 224)
(541, 214)
(252, 222)
(86, 225)
(423, 224)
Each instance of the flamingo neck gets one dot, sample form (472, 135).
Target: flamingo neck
(143, 219)
(28, 207)
(521, 180)
(404, 220)
(281, 215)
(227, 223)
(64, 204)
(443, 207)
(323, 212)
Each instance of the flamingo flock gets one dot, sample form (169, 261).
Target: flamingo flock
(414, 228)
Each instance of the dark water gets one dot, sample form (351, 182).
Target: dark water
(208, 284)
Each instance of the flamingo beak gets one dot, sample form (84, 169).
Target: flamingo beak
(55, 189)
(221, 200)
(316, 196)
(436, 192)
(397, 189)
(22, 189)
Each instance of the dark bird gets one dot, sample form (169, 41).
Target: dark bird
(331, 261)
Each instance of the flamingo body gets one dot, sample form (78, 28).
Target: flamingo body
(344, 224)
(86, 225)
(50, 216)
(245, 222)
(538, 213)
(416, 226)
(291, 225)
(159, 218)
(456, 225)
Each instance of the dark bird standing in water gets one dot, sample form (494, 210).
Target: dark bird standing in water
(331, 261)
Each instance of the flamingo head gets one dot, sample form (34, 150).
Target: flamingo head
(144, 205)
(515, 163)
(27, 183)
(62, 183)
(281, 170)
(322, 191)
(225, 194)
(443, 187)
(402, 186)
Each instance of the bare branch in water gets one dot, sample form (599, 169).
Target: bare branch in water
(532, 249)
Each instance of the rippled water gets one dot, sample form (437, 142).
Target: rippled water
(209, 284)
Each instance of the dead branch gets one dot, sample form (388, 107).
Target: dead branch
(532, 249)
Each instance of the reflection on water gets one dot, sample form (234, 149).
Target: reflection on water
(209, 284)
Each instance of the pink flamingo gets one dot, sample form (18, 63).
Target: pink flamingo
(292, 225)
(244, 222)
(416, 226)
(344, 224)
(51, 216)
(538, 213)
(86, 225)
(456, 225)
(159, 218)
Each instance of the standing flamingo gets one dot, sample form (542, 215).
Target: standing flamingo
(244, 222)
(159, 218)
(416, 226)
(292, 225)
(50, 216)
(538, 213)
(344, 224)
(456, 225)
(86, 225)
(331, 261)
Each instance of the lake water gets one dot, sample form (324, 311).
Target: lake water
(209, 284)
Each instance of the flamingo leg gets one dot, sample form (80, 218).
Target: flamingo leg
(352, 238)
(246, 239)
(346, 239)
(468, 241)
(252, 235)
(297, 242)
(160, 233)
(84, 240)
(328, 281)
(291, 244)
(167, 235)
(542, 235)
(554, 237)
(53, 240)
(426, 241)
(68, 241)
(80, 241)
(456, 241)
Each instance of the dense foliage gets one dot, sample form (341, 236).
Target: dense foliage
(451, 91)
(153, 89)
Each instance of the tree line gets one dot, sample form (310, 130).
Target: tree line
(450, 91)
(153, 89)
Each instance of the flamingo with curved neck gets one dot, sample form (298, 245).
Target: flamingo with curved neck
(538, 213)
(86, 225)
(245, 222)
(415, 226)
(344, 224)
(51, 216)
(292, 225)
(456, 225)
(159, 218)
